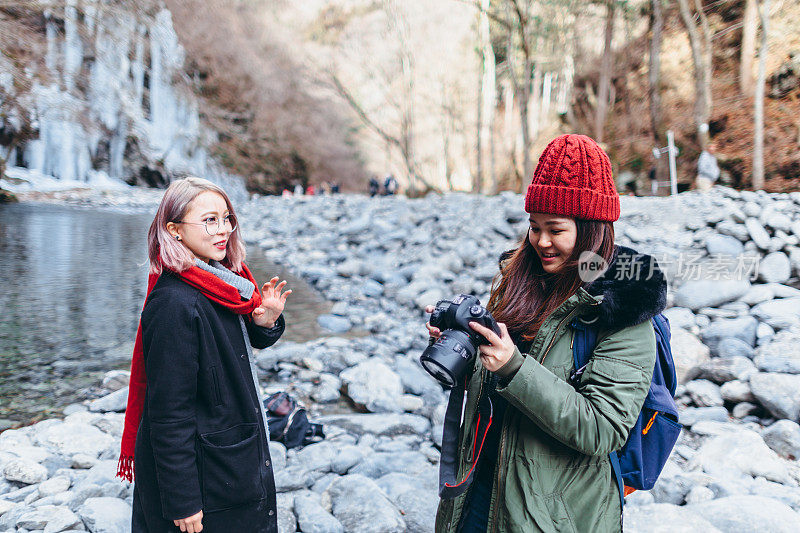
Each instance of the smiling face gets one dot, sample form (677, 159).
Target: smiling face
(553, 237)
(192, 232)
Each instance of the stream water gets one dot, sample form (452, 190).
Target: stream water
(73, 284)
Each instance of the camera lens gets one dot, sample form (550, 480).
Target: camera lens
(450, 357)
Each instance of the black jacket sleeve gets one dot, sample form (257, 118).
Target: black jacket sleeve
(171, 364)
(265, 337)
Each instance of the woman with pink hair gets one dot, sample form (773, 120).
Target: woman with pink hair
(195, 428)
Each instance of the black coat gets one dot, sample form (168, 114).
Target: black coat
(201, 442)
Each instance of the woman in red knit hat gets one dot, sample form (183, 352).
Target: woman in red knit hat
(543, 463)
(195, 416)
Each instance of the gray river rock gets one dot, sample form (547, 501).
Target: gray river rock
(378, 262)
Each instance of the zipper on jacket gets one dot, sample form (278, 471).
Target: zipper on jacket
(499, 491)
(493, 514)
(555, 333)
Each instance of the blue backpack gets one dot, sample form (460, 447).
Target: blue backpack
(637, 465)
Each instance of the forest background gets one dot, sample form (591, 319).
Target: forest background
(456, 94)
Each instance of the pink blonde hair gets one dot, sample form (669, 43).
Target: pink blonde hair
(164, 250)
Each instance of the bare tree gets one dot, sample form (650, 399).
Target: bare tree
(758, 137)
(487, 93)
(22, 44)
(700, 42)
(605, 71)
(654, 72)
(399, 141)
(654, 80)
(748, 48)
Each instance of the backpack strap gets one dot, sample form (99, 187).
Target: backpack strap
(583, 343)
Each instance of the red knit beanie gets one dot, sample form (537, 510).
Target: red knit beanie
(573, 178)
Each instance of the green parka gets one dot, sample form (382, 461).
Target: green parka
(552, 471)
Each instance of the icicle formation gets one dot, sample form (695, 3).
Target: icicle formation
(110, 99)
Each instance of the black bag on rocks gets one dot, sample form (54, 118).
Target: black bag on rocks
(288, 422)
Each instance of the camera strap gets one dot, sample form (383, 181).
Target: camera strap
(449, 488)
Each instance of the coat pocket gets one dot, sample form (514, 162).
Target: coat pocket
(562, 522)
(231, 467)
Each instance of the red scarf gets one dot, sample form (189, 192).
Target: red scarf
(215, 290)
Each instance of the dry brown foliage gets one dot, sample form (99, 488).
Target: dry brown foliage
(629, 138)
(272, 128)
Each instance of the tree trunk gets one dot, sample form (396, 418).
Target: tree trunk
(605, 72)
(701, 59)
(489, 92)
(654, 74)
(524, 97)
(486, 97)
(758, 137)
(478, 176)
(748, 48)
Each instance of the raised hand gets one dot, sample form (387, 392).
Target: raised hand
(272, 303)
(496, 354)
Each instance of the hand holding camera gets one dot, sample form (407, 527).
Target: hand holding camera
(463, 328)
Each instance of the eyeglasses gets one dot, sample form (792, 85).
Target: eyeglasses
(213, 224)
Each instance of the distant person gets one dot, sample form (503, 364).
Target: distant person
(389, 185)
(374, 186)
(195, 416)
(707, 169)
(286, 193)
(298, 189)
(310, 190)
(335, 187)
(653, 177)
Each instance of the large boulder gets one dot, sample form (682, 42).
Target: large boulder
(312, 516)
(778, 393)
(718, 244)
(24, 471)
(784, 438)
(383, 424)
(724, 370)
(72, 438)
(373, 386)
(687, 351)
(743, 328)
(739, 453)
(780, 313)
(735, 514)
(704, 393)
(696, 294)
(379, 464)
(775, 268)
(106, 515)
(117, 401)
(758, 234)
(49, 518)
(664, 518)
(419, 509)
(780, 354)
(361, 507)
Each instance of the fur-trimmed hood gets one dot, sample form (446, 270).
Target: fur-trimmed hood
(633, 289)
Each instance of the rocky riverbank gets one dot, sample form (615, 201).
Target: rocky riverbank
(732, 259)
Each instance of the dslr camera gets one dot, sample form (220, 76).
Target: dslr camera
(452, 356)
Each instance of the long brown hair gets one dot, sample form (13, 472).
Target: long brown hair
(524, 295)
